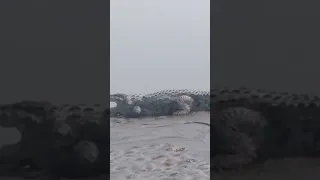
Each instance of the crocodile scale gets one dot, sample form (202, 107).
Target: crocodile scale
(64, 141)
(251, 126)
(161, 103)
(247, 126)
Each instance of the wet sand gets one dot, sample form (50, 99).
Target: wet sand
(175, 149)
(166, 148)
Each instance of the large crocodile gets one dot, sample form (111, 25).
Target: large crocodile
(247, 126)
(161, 103)
(250, 125)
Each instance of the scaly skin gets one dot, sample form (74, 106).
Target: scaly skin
(81, 141)
(247, 126)
(125, 105)
(62, 141)
(162, 103)
(30, 119)
(250, 126)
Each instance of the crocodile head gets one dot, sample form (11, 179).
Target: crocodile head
(125, 110)
(125, 105)
(119, 104)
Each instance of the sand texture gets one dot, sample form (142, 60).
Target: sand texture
(165, 148)
(175, 149)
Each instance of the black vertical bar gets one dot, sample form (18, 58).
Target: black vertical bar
(272, 45)
(56, 51)
(215, 26)
(108, 94)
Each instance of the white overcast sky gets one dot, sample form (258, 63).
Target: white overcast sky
(159, 44)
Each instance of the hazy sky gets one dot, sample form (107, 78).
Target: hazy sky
(159, 44)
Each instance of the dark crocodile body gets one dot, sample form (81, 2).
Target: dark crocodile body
(251, 126)
(61, 141)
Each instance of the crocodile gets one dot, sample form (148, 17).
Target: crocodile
(63, 141)
(161, 103)
(248, 126)
(251, 126)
